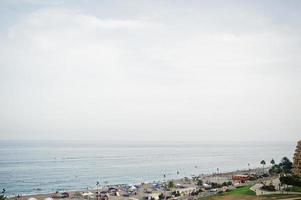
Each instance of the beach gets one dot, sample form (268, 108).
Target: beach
(45, 167)
(185, 186)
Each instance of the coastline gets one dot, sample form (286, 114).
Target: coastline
(187, 182)
(34, 168)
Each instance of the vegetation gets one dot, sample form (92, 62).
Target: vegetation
(233, 194)
(290, 180)
(227, 183)
(197, 192)
(2, 196)
(199, 182)
(295, 189)
(270, 188)
(170, 184)
(285, 166)
(263, 164)
(252, 197)
(176, 193)
(280, 196)
(161, 196)
(244, 190)
(275, 169)
(216, 185)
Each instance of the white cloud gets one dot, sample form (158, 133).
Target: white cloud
(72, 73)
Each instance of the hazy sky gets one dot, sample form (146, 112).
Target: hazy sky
(150, 70)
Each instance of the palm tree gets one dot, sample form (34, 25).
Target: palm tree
(272, 162)
(263, 164)
(2, 196)
(171, 184)
(286, 165)
(97, 185)
(199, 182)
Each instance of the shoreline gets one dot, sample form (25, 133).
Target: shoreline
(123, 186)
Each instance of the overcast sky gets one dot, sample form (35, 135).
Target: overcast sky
(150, 70)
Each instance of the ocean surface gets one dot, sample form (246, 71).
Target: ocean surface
(33, 167)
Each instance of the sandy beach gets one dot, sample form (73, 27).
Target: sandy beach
(185, 186)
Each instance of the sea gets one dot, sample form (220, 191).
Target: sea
(34, 167)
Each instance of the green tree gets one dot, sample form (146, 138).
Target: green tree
(224, 184)
(275, 169)
(161, 196)
(286, 165)
(171, 184)
(199, 182)
(229, 183)
(272, 162)
(263, 164)
(290, 180)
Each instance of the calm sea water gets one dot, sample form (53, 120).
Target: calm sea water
(52, 166)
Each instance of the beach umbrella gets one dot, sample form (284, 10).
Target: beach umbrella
(84, 194)
(132, 188)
